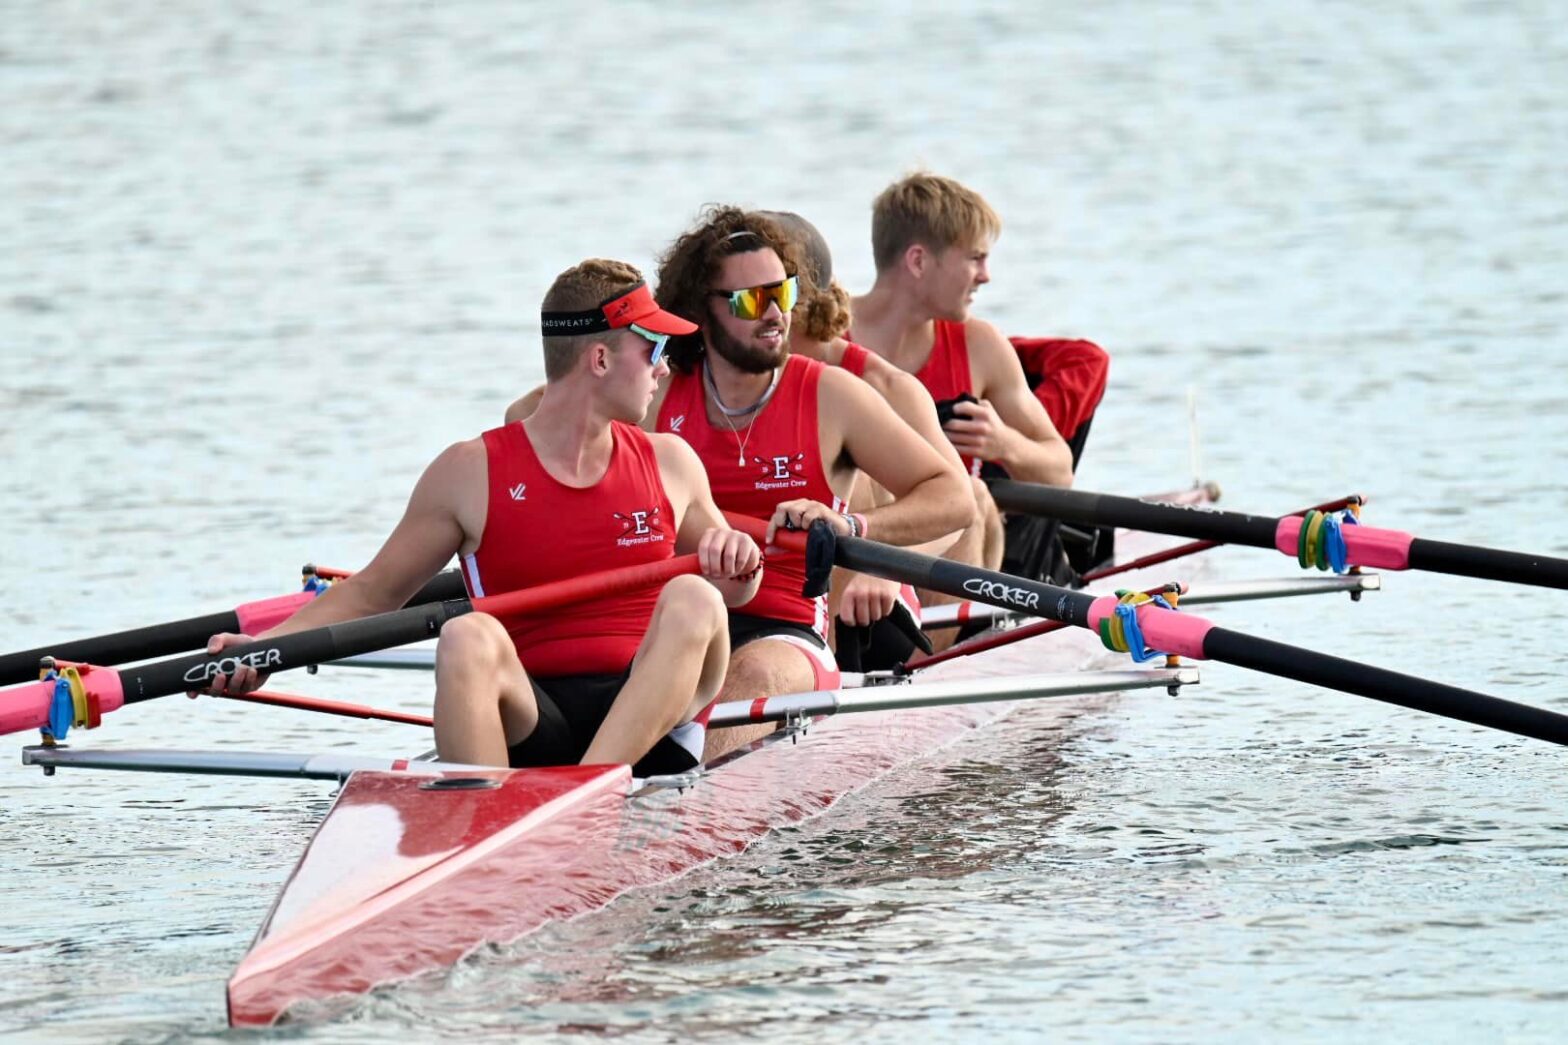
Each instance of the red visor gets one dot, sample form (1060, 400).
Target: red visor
(635, 306)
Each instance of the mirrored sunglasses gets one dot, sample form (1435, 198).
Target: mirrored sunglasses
(752, 302)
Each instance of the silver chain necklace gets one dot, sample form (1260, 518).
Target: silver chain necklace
(707, 377)
(729, 415)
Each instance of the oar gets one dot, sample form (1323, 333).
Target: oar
(1164, 630)
(942, 694)
(159, 640)
(1194, 547)
(95, 691)
(299, 702)
(954, 614)
(1364, 545)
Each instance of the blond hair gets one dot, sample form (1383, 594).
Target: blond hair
(930, 210)
(582, 287)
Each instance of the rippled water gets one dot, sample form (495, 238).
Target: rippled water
(262, 262)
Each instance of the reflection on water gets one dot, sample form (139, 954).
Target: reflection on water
(263, 264)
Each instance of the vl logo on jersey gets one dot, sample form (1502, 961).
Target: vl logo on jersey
(780, 471)
(676, 422)
(518, 491)
(638, 527)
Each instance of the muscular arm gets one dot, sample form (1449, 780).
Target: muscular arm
(728, 556)
(1020, 436)
(447, 505)
(912, 403)
(427, 536)
(931, 496)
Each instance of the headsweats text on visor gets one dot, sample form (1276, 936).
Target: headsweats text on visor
(635, 306)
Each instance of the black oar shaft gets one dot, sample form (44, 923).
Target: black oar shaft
(301, 649)
(155, 640)
(1273, 658)
(1178, 520)
(962, 581)
(1488, 564)
(1260, 531)
(160, 640)
(1391, 687)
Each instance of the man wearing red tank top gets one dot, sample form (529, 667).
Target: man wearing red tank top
(931, 239)
(784, 437)
(878, 621)
(577, 488)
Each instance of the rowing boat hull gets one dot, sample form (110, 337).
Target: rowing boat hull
(403, 878)
(421, 903)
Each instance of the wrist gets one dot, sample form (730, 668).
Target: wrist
(1012, 448)
(856, 522)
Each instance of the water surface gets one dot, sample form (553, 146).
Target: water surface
(263, 262)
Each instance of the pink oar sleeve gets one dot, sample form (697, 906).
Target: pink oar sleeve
(1364, 545)
(1163, 629)
(257, 617)
(26, 707)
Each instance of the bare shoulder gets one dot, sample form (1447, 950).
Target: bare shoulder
(460, 462)
(838, 385)
(902, 390)
(984, 335)
(676, 457)
(522, 408)
(991, 356)
(847, 403)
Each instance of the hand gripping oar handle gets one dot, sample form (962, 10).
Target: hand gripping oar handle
(159, 640)
(1364, 545)
(27, 707)
(1182, 633)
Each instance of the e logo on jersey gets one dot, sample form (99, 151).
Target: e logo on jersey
(638, 527)
(780, 471)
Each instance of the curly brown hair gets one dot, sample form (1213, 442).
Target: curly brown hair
(687, 270)
(824, 313)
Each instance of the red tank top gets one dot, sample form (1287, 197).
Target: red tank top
(854, 359)
(778, 458)
(538, 530)
(946, 373)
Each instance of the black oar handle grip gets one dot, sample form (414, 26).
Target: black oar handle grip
(963, 581)
(301, 649)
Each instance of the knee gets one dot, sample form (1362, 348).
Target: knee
(473, 636)
(766, 668)
(691, 602)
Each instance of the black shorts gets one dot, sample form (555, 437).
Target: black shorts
(571, 709)
(746, 628)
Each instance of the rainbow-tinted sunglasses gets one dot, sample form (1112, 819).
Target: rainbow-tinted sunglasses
(752, 302)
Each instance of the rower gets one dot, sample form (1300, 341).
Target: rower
(931, 239)
(575, 489)
(783, 438)
(876, 621)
